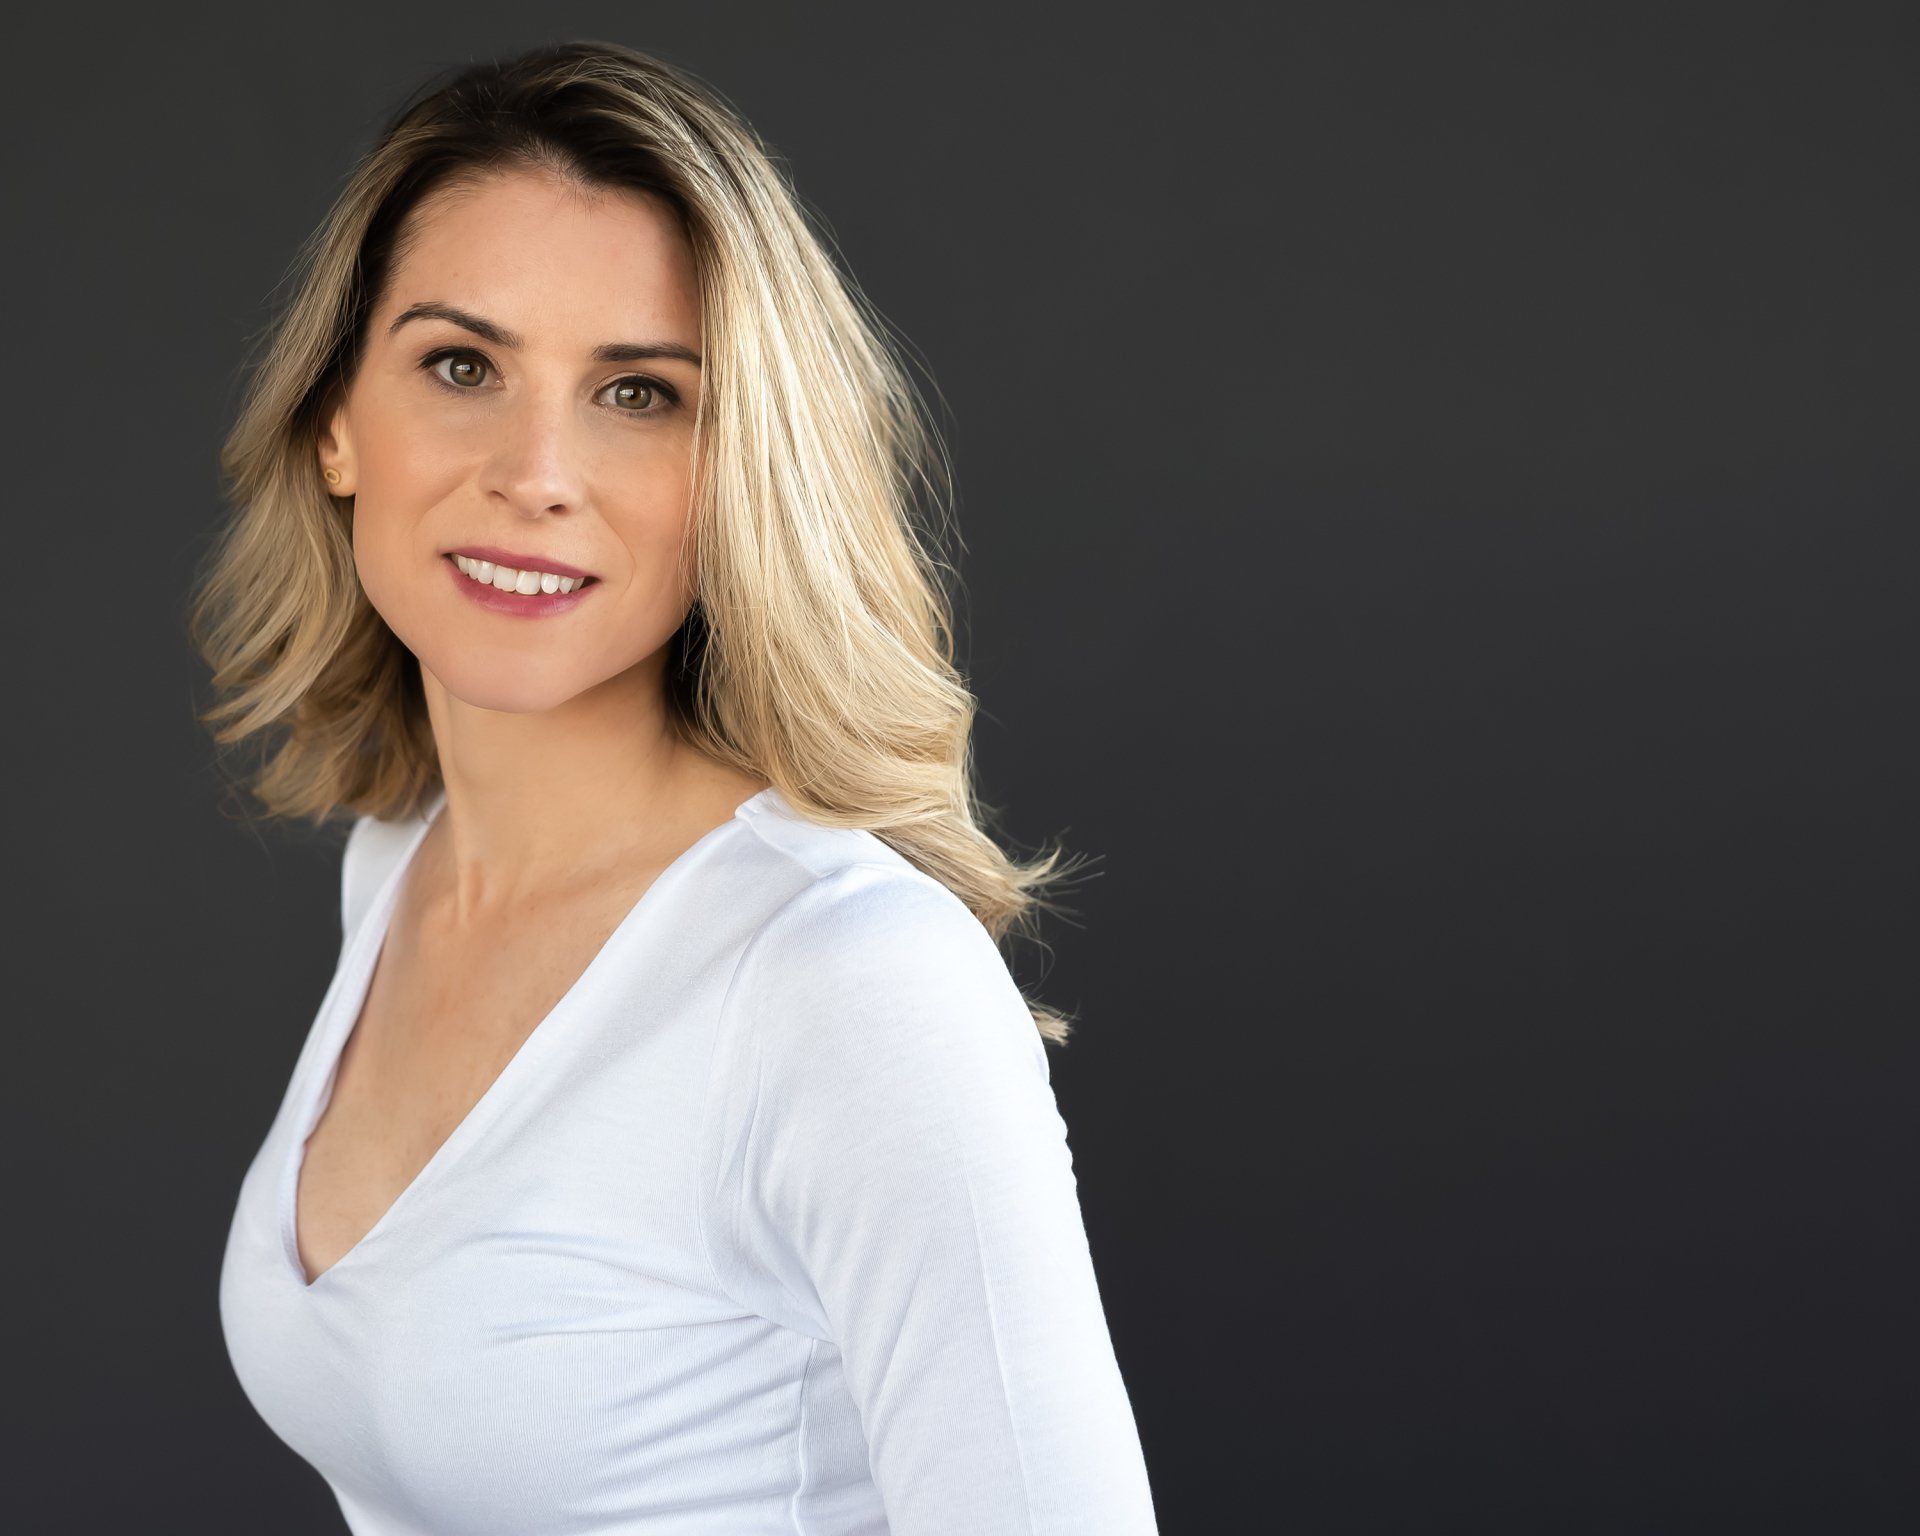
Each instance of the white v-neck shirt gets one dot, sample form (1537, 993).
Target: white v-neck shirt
(770, 1226)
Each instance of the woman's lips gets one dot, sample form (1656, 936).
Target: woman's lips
(525, 605)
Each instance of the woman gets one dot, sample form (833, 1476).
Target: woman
(673, 1150)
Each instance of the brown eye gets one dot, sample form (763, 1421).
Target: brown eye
(639, 395)
(466, 369)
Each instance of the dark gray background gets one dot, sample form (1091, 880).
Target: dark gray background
(1438, 485)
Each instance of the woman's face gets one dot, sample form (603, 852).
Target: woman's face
(532, 423)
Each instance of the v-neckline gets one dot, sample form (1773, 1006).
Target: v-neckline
(343, 1016)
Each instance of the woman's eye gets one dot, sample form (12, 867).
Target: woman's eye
(640, 396)
(467, 366)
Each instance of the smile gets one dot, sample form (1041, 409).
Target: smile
(529, 594)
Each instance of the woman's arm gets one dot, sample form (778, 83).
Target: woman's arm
(899, 1179)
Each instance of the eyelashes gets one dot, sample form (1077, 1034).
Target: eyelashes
(430, 366)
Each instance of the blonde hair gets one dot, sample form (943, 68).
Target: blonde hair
(819, 653)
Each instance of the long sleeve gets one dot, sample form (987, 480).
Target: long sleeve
(893, 1176)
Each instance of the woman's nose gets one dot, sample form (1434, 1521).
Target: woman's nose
(537, 456)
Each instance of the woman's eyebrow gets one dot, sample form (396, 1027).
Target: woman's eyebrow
(500, 336)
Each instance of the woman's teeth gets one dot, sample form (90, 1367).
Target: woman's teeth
(507, 579)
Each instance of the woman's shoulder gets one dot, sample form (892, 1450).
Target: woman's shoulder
(839, 896)
(372, 849)
(854, 943)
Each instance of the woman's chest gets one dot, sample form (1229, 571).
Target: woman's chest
(536, 1348)
(439, 1026)
(534, 1315)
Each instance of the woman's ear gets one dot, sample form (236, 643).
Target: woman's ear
(335, 448)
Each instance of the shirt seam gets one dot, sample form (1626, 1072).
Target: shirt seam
(800, 1441)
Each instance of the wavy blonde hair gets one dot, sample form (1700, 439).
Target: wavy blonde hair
(819, 653)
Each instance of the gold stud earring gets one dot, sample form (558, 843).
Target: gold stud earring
(333, 476)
